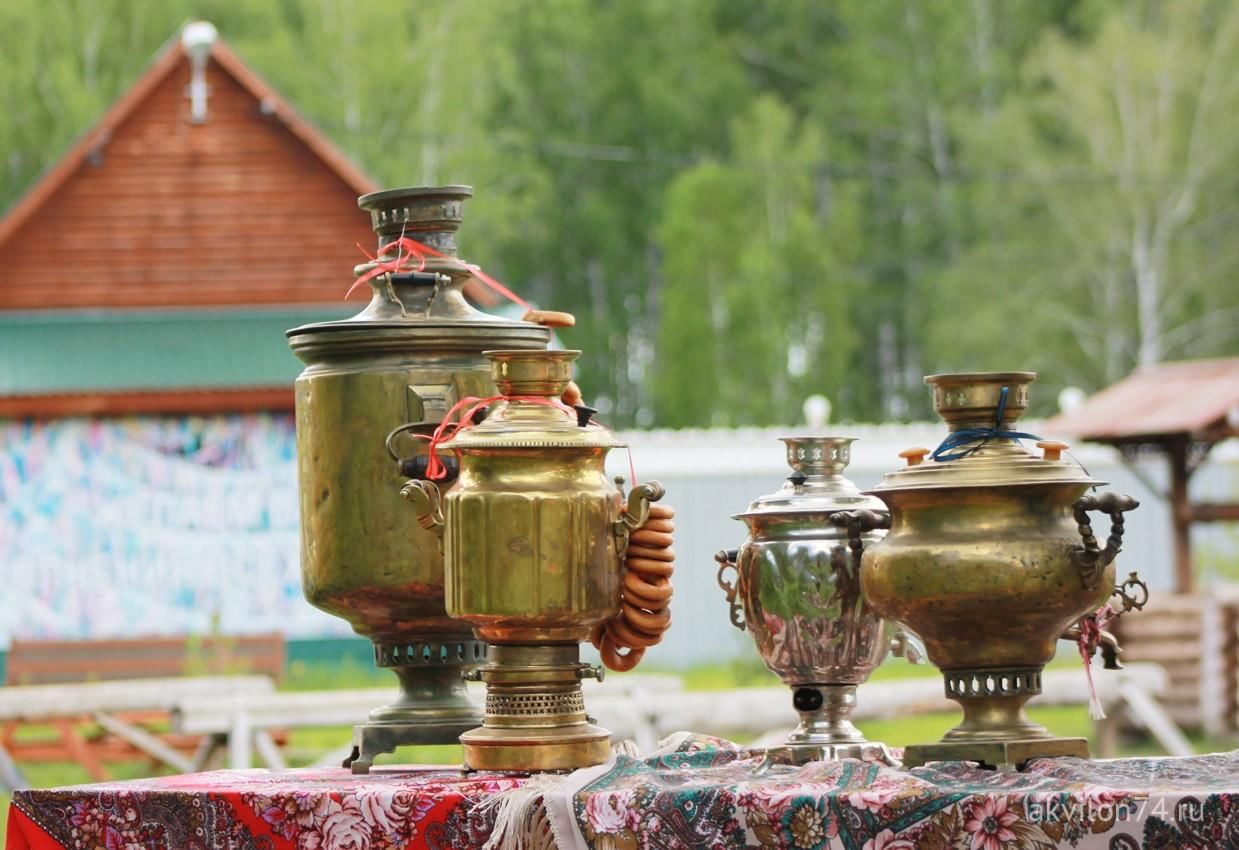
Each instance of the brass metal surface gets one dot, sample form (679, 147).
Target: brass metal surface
(412, 352)
(797, 592)
(989, 562)
(534, 537)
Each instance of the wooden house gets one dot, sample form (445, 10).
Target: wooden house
(155, 267)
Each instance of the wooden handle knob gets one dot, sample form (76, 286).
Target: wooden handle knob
(550, 318)
(914, 456)
(1053, 448)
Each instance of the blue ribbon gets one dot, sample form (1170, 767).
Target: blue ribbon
(952, 447)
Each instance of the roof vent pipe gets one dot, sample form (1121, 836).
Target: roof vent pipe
(197, 38)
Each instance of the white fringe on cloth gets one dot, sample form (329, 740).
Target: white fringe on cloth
(538, 815)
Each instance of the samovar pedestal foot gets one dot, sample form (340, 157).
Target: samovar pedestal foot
(1007, 756)
(826, 732)
(801, 754)
(995, 732)
(433, 706)
(375, 739)
(535, 712)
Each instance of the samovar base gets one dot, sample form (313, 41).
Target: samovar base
(433, 706)
(799, 754)
(535, 712)
(996, 755)
(556, 748)
(826, 731)
(375, 739)
(995, 732)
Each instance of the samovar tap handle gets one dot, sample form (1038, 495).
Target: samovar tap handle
(1133, 594)
(727, 560)
(1091, 558)
(428, 501)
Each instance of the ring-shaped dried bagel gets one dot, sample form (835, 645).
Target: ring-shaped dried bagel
(659, 591)
(658, 511)
(651, 553)
(652, 538)
(596, 635)
(665, 526)
(653, 604)
(622, 632)
(614, 660)
(649, 622)
(650, 566)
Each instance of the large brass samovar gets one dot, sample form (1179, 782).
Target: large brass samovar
(797, 591)
(534, 540)
(406, 358)
(990, 558)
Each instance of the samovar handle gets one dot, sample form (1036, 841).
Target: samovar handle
(727, 560)
(639, 499)
(636, 510)
(1090, 558)
(427, 499)
(858, 523)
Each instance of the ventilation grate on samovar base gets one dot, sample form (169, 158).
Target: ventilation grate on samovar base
(535, 705)
(429, 653)
(992, 682)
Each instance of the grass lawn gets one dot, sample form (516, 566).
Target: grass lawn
(305, 746)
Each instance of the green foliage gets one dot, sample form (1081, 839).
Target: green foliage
(746, 203)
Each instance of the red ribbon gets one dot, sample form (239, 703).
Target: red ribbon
(1091, 628)
(407, 249)
(450, 426)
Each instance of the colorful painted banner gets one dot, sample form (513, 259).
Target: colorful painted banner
(151, 526)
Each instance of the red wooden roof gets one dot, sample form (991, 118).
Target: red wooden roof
(148, 209)
(1193, 397)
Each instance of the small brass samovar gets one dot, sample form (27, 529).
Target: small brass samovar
(797, 592)
(990, 559)
(534, 540)
(407, 357)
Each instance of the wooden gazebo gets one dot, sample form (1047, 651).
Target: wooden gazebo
(1178, 410)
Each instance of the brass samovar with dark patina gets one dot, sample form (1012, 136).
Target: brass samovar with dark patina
(990, 559)
(797, 592)
(535, 537)
(406, 358)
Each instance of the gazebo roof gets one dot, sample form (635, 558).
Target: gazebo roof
(1193, 398)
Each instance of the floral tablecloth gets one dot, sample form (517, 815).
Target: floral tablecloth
(693, 792)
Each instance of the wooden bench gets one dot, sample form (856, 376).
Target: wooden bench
(54, 662)
(111, 701)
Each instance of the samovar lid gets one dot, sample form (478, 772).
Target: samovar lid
(417, 309)
(530, 415)
(984, 448)
(817, 484)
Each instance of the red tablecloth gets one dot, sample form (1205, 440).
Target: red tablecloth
(699, 792)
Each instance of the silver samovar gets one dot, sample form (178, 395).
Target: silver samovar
(797, 591)
(413, 352)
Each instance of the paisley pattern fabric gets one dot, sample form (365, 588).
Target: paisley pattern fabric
(697, 792)
(720, 796)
